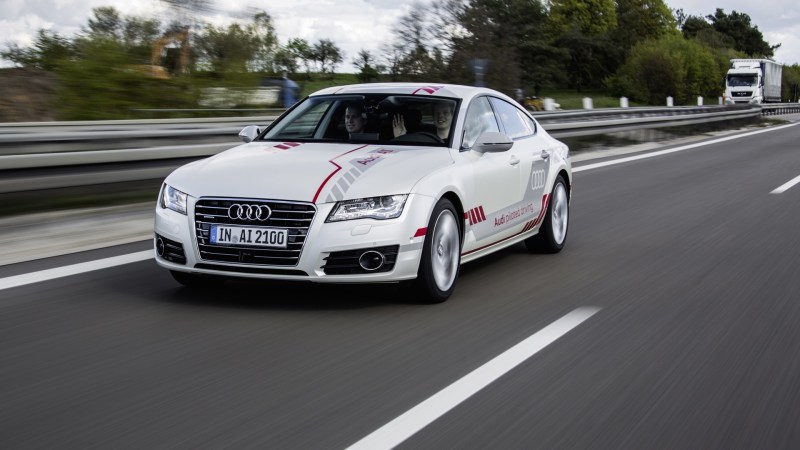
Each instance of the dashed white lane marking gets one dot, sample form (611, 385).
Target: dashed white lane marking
(676, 149)
(418, 417)
(786, 186)
(74, 269)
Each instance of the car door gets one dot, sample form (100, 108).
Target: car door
(534, 164)
(495, 177)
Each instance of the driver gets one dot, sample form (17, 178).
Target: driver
(442, 118)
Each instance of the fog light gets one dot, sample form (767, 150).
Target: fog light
(160, 246)
(371, 260)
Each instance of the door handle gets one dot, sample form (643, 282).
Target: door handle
(545, 154)
(513, 161)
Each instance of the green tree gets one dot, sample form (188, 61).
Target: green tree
(746, 37)
(791, 83)
(97, 84)
(410, 55)
(507, 33)
(367, 69)
(670, 66)
(640, 20)
(227, 50)
(590, 59)
(138, 34)
(589, 17)
(301, 51)
(327, 54)
(48, 51)
(266, 43)
(106, 22)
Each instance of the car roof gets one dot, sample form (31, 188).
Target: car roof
(422, 89)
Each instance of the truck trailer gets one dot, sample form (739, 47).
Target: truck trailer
(753, 81)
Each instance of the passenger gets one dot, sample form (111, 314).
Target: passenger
(354, 118)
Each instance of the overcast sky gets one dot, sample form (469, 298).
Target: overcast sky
(352, 24)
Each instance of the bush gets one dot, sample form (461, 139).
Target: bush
(670, 66)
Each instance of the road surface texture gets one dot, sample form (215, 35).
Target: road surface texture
(688, 261)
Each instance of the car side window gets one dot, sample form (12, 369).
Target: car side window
(517, 124)
(479, 119)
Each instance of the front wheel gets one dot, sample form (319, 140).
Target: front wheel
(441, 254)
(553, 233)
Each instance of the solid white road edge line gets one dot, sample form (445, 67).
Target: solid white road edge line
(74, 269)
(418, 417)
(786, 186)
(676, 149)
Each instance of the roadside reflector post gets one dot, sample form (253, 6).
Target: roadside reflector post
(623, 102)
(587, 103)
(670, 102)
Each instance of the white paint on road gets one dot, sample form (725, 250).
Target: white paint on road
(676, 149)
(74, 269)
(418, 417)
(786, 186)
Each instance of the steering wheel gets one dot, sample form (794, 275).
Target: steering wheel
(433, 136)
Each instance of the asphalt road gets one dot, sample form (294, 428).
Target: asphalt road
(693, 264)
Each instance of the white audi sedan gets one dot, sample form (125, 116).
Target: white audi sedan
(369, 183)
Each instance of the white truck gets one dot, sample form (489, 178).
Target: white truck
(753, 81)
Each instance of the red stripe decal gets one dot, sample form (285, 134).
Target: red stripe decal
(466, 215)
(428, 89)
(282, 147)
(338, 168)
(545, 201)
(480, 210)
(472, 216)
(291, 144)
(421, 232)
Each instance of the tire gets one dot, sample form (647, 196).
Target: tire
(195, 281)
(440, 263)
(553, 233)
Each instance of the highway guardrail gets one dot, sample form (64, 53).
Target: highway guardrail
(29, 150)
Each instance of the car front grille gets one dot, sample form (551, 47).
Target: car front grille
(296, 217)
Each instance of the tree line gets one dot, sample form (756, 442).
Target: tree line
(637, 48)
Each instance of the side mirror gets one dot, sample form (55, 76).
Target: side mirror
(492, 142)
(249, 133)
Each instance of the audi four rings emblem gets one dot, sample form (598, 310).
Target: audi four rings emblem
(260, 213)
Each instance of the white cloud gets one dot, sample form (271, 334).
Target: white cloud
(789, 51)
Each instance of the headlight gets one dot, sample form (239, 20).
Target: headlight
(173, 199)
(388, 207)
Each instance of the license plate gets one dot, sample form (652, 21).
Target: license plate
(261, 237)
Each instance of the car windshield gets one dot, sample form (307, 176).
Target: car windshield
(742, 80)
(370, 118)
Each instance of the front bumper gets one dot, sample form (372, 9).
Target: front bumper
(322, 240)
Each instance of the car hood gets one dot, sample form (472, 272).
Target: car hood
(315, 172)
